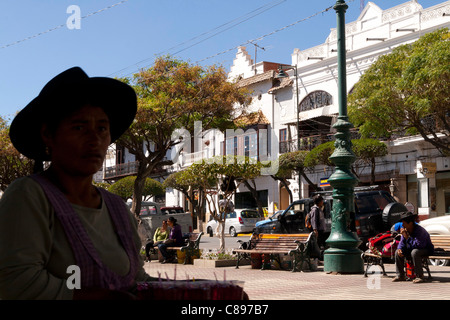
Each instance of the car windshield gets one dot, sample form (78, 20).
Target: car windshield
(172, 210)
(249, 214)
(147, 210)
(276, 214)
(290, 213)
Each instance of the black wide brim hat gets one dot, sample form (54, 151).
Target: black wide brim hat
(116, 98)
(405, 215)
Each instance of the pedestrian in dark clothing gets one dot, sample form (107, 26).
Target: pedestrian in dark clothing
(318, 220)
(415, 243)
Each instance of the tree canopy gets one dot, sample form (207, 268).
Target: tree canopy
(13, 165)
(125, 186)
(173, 94)
(407, 92)
(366, 150)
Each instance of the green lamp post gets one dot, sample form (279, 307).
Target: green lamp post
(343, 255)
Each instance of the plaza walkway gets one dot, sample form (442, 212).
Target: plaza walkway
(317, 285)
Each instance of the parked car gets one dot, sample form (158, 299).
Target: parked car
(292, 220)
(237, 221)
(373, 215)
(437, 226)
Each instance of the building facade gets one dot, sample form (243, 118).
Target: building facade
(376, 32)
(413, 171)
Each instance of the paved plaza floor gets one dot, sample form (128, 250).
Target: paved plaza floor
(314, 285)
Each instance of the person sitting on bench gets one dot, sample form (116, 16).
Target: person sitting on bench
(161, 234)
(175, 240)
(415, 244)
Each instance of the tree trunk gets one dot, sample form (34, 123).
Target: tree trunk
(220, 231)
(285, 184)
(139, 185)
(372, 171)
(254, 193)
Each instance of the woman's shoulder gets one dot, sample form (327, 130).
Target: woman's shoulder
(24, 185)
(26, 196)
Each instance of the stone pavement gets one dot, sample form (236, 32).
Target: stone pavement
(315, 285)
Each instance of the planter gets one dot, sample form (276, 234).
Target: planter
(205, 263)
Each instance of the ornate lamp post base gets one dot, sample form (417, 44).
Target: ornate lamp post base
(343, 256)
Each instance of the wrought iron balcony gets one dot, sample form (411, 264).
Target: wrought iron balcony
(310, 142)
(121, 170)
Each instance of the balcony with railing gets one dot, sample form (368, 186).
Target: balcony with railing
(121, 170)
(310, 142)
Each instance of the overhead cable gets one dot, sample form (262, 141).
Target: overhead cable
(60, 26)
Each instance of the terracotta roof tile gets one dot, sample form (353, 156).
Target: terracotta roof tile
(283, 83)
(256, 78)
(250, 119)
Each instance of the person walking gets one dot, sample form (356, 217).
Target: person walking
(318, 221)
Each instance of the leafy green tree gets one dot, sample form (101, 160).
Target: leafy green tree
(219, 177)
(187, 184)
(13, 165)
(173, 94)
(406, 90)
(292, 162)
(320, 155)
(125, 186)
(365, 150)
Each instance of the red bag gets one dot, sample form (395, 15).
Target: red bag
(377, 243)
(388, 250)
(410, 274)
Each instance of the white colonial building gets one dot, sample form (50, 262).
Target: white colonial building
(414, 171)
(376, 32)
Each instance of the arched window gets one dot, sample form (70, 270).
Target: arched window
(315, 100)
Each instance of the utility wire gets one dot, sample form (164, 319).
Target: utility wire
(271, 33)
(259, 38)
(269, 5)
(268, 34)
(60, 26)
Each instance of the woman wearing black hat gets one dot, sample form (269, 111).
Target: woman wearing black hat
(415, 244)
(57, 219)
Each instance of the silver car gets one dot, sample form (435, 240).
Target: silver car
(237, 221)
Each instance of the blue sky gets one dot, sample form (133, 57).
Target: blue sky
(122, 39)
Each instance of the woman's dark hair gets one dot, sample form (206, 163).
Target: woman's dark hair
(317, 199)
(173, 220)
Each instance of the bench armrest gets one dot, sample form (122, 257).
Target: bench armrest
(246, 245)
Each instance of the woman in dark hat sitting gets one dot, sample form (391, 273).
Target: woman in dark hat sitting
(56, 219)
(415, 244)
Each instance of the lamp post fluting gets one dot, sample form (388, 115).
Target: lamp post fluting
(343, 255)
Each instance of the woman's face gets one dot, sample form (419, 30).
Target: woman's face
(79, 144)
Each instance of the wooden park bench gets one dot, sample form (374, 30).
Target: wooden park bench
(296, 245)
(441, 247)
(190, 247)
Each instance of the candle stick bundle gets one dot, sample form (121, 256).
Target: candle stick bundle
(190, 289)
